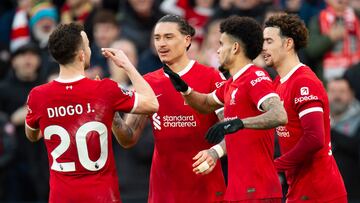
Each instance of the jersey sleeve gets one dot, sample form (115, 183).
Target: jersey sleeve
(261, 87)
(218, 79)
(307, 97)
(124, 100)
(218, 94)
(32, 117)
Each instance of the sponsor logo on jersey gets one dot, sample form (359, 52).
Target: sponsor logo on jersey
(175, 121)
(282, 131)
(305, 98)
(232, 96)
(126, 91)
(259, 79)
(304, 91)
(219, 84)
(260, 73)
(156, 121)
(230, 118)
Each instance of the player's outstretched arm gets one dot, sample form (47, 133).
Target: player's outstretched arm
(127, 132)
(275, 115)
(203, 103)
(147, 102)
(205, 160)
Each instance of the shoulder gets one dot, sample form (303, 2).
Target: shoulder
(155, 75)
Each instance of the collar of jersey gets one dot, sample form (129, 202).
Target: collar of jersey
(74, 79)
(289, 74)
(241, 71)
(186, 69)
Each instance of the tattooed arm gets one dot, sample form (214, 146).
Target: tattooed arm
(127, 132)
(274, 115)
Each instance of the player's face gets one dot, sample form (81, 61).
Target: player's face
(224, 51)
(273, 47)
(169, 43)
(87, 51)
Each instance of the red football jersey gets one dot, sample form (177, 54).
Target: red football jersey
(75, 119)
(317, 178)
(179, 135)
(251, 172)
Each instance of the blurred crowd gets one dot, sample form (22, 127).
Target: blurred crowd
(333, 52)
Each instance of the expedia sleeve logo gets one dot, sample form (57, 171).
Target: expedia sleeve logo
(167, 121)
(305, 96)
(125, 91)
(260, 77)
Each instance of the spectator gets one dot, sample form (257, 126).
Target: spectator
(43, 20)
(137, 19)
(106, 31)
(27, 178)
(7, 150)
(334, 42)
(345, 132)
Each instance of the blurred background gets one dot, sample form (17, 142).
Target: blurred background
(25, 25)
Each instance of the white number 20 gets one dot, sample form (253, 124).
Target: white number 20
(80, 140)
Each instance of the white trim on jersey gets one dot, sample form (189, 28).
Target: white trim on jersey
(289, 74)
(135, 102)
(33, 129)
(74, 79)
(216, 98)
(264, 98)
(185, 70)
(309, 110)
(241, 71)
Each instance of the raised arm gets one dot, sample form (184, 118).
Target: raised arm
(203, 103)
(147, 102)
(274, 115)
(127, 132)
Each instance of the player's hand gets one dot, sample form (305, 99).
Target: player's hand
(218, 131)
(179, 84)
(205, 161)
(118, 57)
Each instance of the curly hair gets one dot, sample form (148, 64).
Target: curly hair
(184, 27)
(290, 26)
(248, 31)
(65, 41)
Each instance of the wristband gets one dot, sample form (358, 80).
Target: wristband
(187, 92)
(219, 150)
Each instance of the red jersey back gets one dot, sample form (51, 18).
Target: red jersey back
(179, 135)
(251, 172)
(75, 120)
(317, 178)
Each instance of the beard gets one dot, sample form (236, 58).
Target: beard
(337, 107)
(41, 36)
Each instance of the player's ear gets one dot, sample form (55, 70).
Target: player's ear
(236, 48)
(81, 55)
(290, 43)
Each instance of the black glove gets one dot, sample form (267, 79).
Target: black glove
(218, 131)
(179, 84)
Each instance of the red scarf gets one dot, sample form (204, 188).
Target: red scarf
(341, 59)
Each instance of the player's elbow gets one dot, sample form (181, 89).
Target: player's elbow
(128, 145)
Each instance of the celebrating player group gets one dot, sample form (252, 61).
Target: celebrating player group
(197, 117)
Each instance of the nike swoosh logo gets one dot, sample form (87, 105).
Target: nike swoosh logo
(227, 126)
(158, 95)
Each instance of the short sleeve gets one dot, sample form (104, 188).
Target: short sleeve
(124, 100)
(261, 87)
(218, 94)
(32, 117)
(307, 97)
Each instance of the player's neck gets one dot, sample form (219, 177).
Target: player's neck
(71, 71)
(238, 64)
(287, 64)
(180, 64)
